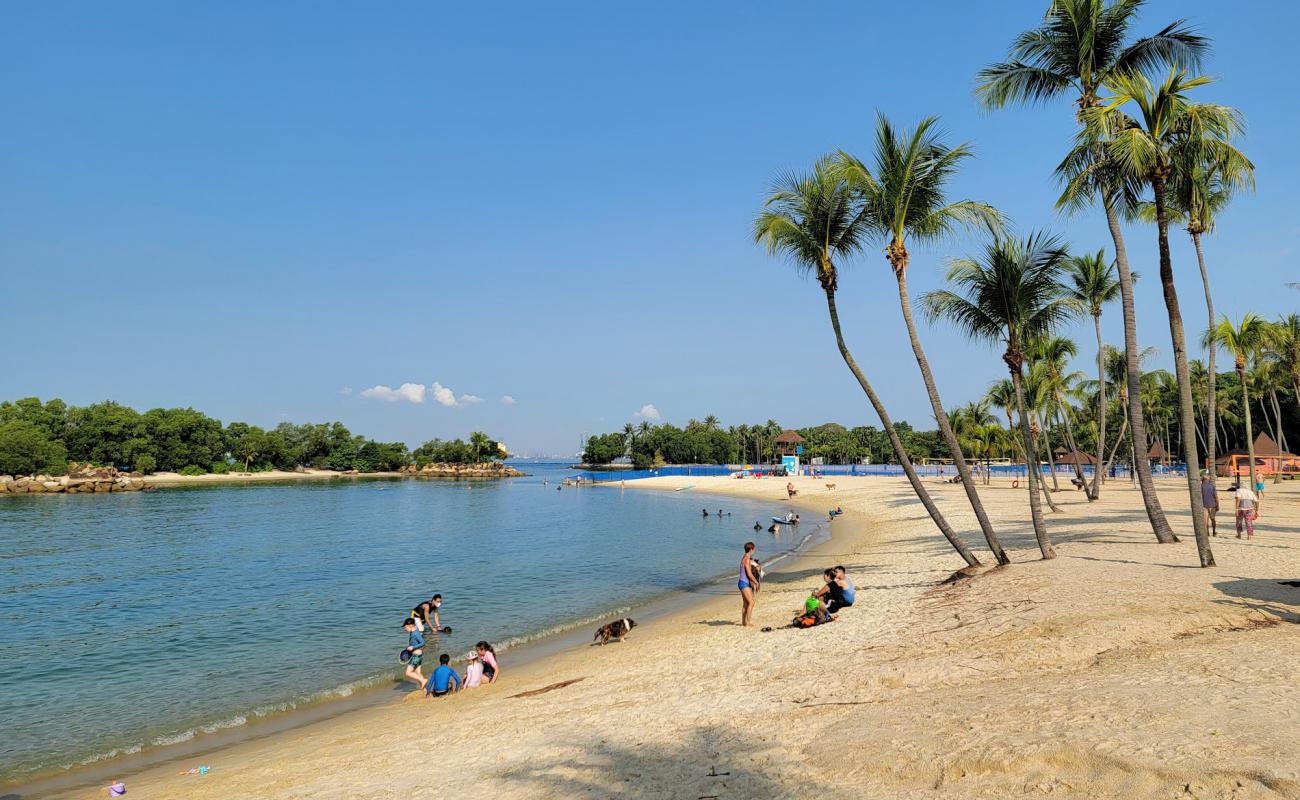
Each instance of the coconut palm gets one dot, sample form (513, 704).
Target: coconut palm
(1171, 133)
(1010, 295)
(1202, 185)
(812, 220)
(1244, 341)
(903, 198)
(1052, 355)
(1093, 285)
(1079, 46)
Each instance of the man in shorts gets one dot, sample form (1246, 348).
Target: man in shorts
(415, 643)
(426, 614)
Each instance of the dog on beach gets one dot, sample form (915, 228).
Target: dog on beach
(619, 629)
(830, 486)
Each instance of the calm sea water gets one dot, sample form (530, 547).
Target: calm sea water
(132, 621)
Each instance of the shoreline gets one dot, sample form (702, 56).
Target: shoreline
(1069, 676)
(331, 708)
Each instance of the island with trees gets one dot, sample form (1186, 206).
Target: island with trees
(55, 447)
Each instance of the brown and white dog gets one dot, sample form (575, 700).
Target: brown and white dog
(618, 628)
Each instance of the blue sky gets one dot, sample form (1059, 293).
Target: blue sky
(263, 209)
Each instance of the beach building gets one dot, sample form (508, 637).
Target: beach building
(1270, 459)
(790, 443)
(1157, 454)
(1070, 458)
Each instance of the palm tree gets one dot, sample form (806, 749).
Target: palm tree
(904, 198)
(1094, 285)
(1287, 344)
(1052, 354)
(1169, 132)
(812, 220)
(1079, 46)
(1012, 295)
(1200, 187)
(1244, 340)
(710, 422)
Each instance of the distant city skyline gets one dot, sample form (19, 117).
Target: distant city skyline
(424, 221)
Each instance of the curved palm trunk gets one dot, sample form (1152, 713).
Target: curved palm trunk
(1280, 436)
(1063, 415)
(1047, 448)
(899, 450)
(1114, 451)
(1035, 508)
(1250, 430)
(1186, 407)
(941, 417)
(1051, 467)
(1210, 409)
(1095, 491)
(1138, 431)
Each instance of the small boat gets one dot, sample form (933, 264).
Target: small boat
(783, 521)
(684, 488)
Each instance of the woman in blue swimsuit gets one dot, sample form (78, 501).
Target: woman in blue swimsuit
(746, 585)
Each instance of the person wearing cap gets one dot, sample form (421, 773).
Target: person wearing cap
(1210, 497)
(415, 643)
(443, 679)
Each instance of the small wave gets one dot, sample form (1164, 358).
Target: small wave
(173, 738)
(233, 722)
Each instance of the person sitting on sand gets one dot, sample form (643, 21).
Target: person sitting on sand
(114, 789)
(849, 591)
(491, 669)
(443, 678)
(473, 671)
(831, 592)
(815, 608)
(415, 643)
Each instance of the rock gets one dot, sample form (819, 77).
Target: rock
(36, 487)
(102, 486)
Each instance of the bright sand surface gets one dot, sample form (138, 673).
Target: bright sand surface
(1119, 669)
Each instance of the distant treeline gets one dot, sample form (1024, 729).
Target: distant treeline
(38, 437)
(707, 442)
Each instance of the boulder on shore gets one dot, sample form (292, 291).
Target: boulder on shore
(80, 479)
(492, 469)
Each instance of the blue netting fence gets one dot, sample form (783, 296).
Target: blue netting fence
(927, 470)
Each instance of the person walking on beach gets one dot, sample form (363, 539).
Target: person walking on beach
(1210, 498)
(1247, 508)
(746, 585)
(491, 669)
(415, 643)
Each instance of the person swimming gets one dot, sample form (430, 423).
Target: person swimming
(758, 526)
(704, 511)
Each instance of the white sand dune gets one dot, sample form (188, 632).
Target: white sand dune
(1117, 670)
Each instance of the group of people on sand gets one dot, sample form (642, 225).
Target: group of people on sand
(481, 666)
(836, 593)
(1245, 503)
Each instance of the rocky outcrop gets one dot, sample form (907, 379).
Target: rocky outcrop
(81, 479)
(494, 469)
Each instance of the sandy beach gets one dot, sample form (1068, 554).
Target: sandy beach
(1119, 669)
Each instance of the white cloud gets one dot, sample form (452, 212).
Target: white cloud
(470, 399)
(410, 392)
(648, 411)
(508, 399)
(442, 394)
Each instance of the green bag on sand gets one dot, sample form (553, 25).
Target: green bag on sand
(810, 605)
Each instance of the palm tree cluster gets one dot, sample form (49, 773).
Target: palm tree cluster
(1146, 149)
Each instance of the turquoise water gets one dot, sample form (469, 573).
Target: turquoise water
(133, 621)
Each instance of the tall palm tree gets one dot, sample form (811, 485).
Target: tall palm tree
(813, 221)
(1169, 132)
(1079, 46)
(710, 422)
(903, 197)
(1093, 285)
(1202, 185)
(1244, 341)
(1011, 295)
